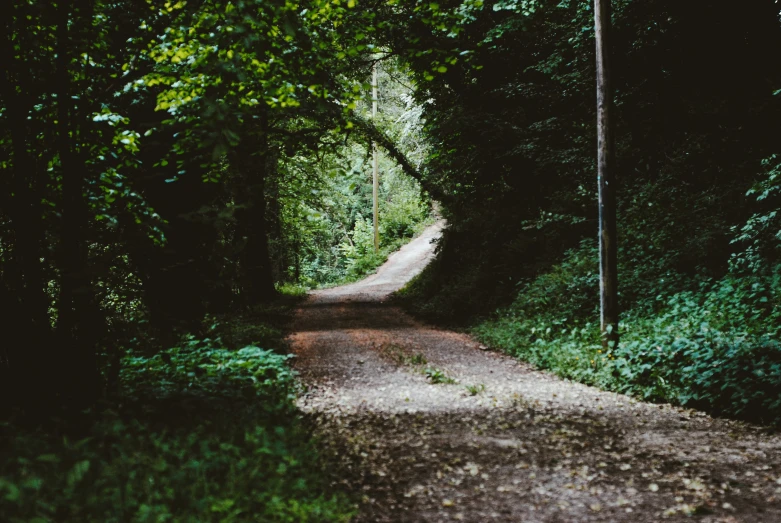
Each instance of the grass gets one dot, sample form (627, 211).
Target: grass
(417, 359)
(293, 290)
(399, 356)
(438, 376)
(474, 390)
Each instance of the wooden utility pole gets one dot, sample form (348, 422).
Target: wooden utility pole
(376, 169)
(608, 254)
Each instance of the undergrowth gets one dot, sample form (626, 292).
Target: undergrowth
(700, 305)
(201, 432)
(714, 346)
(437, 376)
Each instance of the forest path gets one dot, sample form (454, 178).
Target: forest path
(521, 445)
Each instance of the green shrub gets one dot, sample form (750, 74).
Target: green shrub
(199, 367)
(715, 347)
(402, 214)
(203, 434)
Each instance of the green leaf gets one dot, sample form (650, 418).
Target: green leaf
(78, 472)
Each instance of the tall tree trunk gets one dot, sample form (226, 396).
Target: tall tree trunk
(24, 270)
(279, 251)
(608, 253)
(26, 213)
(258, 282)
(79, 320)
(297, 254)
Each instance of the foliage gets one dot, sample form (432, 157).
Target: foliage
(199, 367)
(172, 167)
(511, 137)
(167, 164)
(474, 390)
(330, 226)
(715, 347)
(171, 160)
(437, 376)
(207, 433)
(760, 236)
(512, 154)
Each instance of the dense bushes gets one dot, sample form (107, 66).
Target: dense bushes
(202, 433)
(692, 339)
(716, 347)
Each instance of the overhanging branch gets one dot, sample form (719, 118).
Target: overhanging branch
(373, 134)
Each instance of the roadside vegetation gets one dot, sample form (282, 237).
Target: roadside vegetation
(699, 228)
(171, 171)
(203, 431)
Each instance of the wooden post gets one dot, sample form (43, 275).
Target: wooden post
(376, 168)
(608, 254)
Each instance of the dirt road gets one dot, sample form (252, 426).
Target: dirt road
(429, 426)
